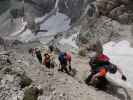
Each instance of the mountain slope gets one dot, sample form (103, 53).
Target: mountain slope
(57, 85)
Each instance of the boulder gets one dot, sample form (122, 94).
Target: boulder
(32, 93)
(25, 81)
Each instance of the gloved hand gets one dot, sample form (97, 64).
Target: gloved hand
(123, 78)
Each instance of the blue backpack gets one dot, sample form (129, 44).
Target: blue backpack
(112, 69)
(61, 56)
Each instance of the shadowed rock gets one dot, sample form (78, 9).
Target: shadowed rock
(32, 93)
(25, 81)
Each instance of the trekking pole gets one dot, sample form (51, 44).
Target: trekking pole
(59, 66)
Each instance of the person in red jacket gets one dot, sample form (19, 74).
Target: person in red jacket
(100, 65)
(47, 60)
(65, 60)
(68, 58)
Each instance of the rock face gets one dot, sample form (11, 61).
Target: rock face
(40, 6)
(73, 9)
(76, 9)
(23, 14)
(120, 10)
(27, 79)
(10, 83)
(19, 77)
(113, 22)
(3, 8)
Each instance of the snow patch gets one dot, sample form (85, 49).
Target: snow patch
(26, 36)
(71, 42)
(56, 23)
(121, 54)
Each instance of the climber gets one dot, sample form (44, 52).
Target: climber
(47, 60)
(65, 59)
(52, 59)
(32, 51)
(38, 55)
(51, 48)
(97, 67)
(100, 65)
(69, 58)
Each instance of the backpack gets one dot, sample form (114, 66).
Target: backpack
(98, 62)
(61, 56)
(69, 58)
(62, 59)
(112, 69)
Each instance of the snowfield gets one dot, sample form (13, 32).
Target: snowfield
(54, 24)
(121, 54)
(70, 43)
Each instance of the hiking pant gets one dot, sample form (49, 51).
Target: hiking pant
(102, 83)
(90, 77)
(47, 64)
(70, 68)
(39, 57)
(64, 68)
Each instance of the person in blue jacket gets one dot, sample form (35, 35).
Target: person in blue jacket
(63, 62)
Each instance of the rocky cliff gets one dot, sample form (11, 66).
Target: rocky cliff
(94, 22)
(112, 21)
(120, 10)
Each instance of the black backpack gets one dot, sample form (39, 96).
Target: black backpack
(112, 69)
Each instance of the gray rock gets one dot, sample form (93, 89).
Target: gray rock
(116, 9)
